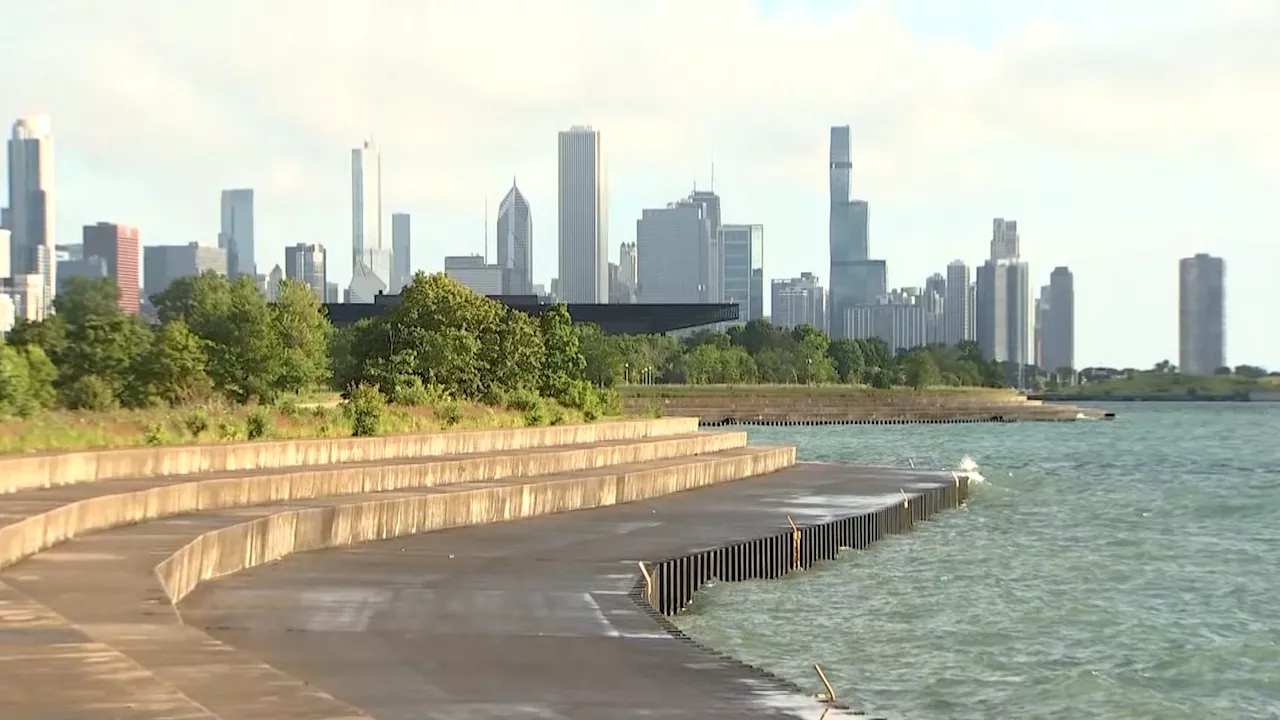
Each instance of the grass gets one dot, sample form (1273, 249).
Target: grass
(64, 430)
(643, 391)
(1155, 384)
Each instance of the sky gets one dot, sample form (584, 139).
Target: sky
(1121, 135)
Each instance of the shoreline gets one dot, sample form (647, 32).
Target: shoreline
(490, 600)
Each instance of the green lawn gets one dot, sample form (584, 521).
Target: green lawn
(793, 390)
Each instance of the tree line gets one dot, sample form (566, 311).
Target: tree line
(759, 352)
(219, 339)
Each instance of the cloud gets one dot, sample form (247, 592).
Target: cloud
(187, 98)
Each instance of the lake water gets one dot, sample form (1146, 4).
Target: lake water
(1126, 569)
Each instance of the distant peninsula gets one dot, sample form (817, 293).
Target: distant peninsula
(1167, 384)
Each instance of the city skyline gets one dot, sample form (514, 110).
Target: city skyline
(1090, 189)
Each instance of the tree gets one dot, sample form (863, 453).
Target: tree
(812, 363)
(100, 345)
(846, 358)
(565, 362)
(172, 370)
(26, 380)
(303, 334)
(760, 335)
(605, 361)
(920, 369)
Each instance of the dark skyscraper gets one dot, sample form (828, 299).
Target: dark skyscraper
(1059, 322)
(849, 245)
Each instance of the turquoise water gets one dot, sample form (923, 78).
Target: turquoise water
(1126, 569)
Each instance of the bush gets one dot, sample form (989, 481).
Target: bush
(90, 392)
(153, 435)
(449, 413)
(537, 415)
(258, 425)
(409, 390)
(593, 402)
(366, 406)
(558, 416)
(228, 430)
(523, 401)
(196, 422)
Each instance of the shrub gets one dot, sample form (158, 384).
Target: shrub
(496, 396)
(90, 392)
(196, 422)
(258, 425)
(366, 406)
(656, 411)
(449, 413)
(523, 401)
(410, 390)
(153, 435)
(558, 416)
(228, 430)
(536, 415)
(289, 408)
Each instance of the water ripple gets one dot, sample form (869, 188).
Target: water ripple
(1107, 570)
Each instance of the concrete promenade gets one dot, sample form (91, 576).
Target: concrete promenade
(530, 619)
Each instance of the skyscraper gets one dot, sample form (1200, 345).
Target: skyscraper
(1006, 244)
(306, 264)
(1058, 331)
(515, 243)
(1201, 314)
(119, 248)
(236, 235)
(713, 269)
(674, 253)
(162, 264)
(371, 260)
(583, 218)
(743, 247)
(401, 252)
(956, 308)
(31, 205)
(848, 238)
(799, 301)
(1003, 311)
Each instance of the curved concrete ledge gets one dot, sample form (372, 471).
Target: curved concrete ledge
(57, 515)
(26, 472)
(263, 540)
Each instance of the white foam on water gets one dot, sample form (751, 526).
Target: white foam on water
(970, 470)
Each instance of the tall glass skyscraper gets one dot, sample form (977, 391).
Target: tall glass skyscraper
(853, 281)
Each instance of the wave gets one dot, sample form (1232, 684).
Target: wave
(970, 470)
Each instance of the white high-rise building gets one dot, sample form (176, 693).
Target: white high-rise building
(515, 243)
(31, 206)
(370, 259)
(236, 235)
(956, 325)
(584, 218)
(401, 251)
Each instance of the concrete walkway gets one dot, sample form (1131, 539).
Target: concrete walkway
(529, 619)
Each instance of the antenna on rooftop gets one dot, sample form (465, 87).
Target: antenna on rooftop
(713, 176)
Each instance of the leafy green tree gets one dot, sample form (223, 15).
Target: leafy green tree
(303, 334)
(920, 369)
(515, 364)
(50, 335)
(173, 369)
(760, 335)
(101, 347)
(846, 358)
(605, 355)
(565, 362)
(26, 380)
(812, 363)
(243, 346)
(875, 356)
(776, 366)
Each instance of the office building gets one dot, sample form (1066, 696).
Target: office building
(26, 292)
(743, 247)
(799, 301)
(628, 267)
(1201, 314)
(31, 206)
(956, 325)
(901, 318)
(236, 235)
(1006, 244)
(1038, 328)
(371, 260)
(306, 264)
(933, 299)
(471, 270)
(583, 242)
(8, 312)
(332, 292)
(853, 282)
(6, 240)
(674, 253)
(269, 284)
(1003, 311)
(1057, 331)
(401, 251)
(68, 251)
(515, 242)
(163, 264)
(90, 268)
(713, 271)
(118, 246)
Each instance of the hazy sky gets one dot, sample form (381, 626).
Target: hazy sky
(1121, 135)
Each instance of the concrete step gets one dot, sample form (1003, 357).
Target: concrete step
(109, 591)
(34, 520)
(26, 472)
